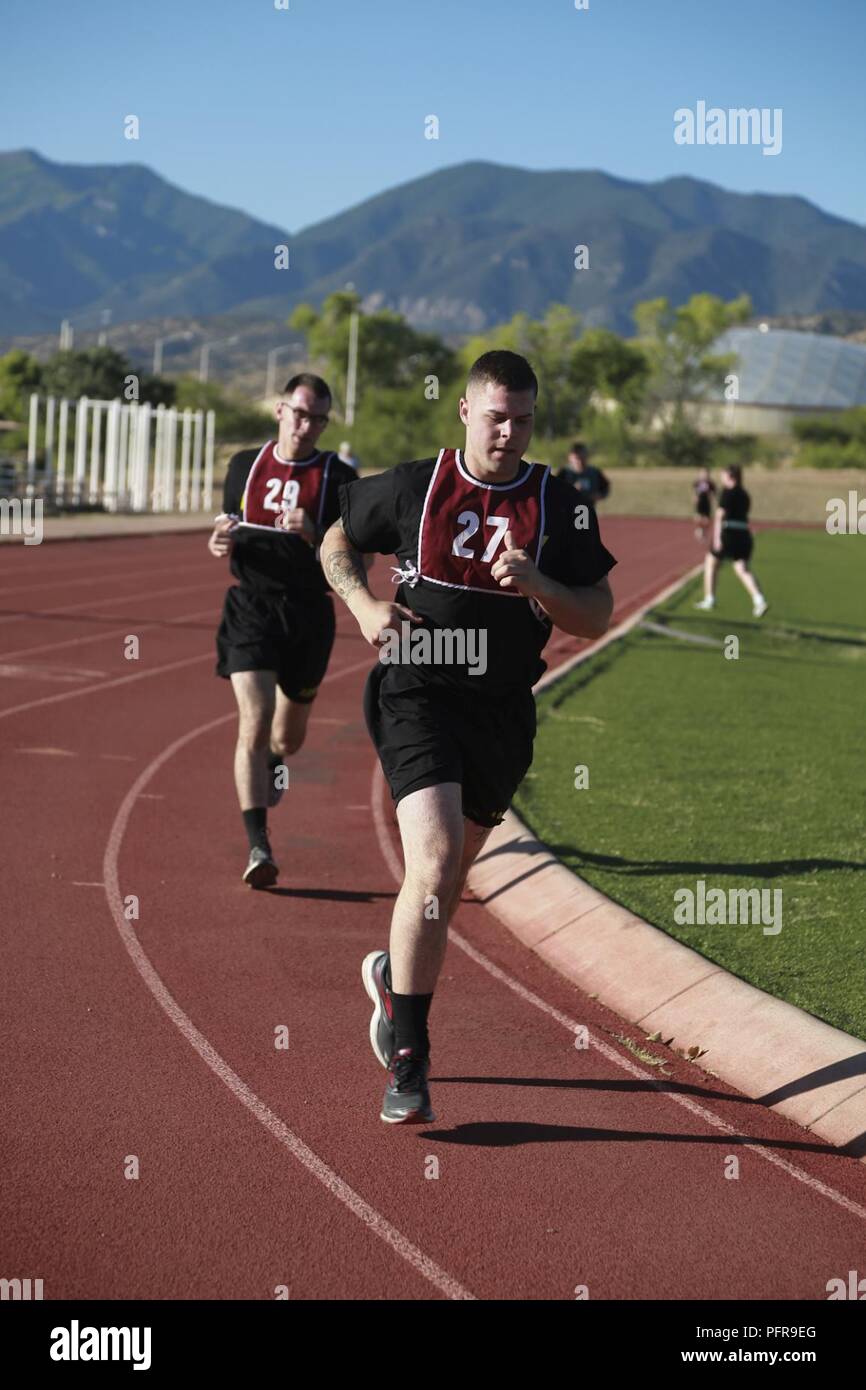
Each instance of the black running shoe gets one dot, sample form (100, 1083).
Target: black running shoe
(261, 871)
(376, 974)
(407, 1099)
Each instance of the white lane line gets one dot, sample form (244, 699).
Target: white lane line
(375, 1222)
(64, 675)
(40, 614)
(110, 577)
(50, 752)
(151, 625)
(105, 685)
(392, 859)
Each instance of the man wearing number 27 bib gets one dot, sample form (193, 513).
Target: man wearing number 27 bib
(277, 627)
(493, 552)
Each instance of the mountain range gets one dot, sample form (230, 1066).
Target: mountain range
(456, 251)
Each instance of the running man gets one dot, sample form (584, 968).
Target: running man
(732, 540)
(277, 626)
(493, 552)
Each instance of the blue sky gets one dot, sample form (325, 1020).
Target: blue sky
(293, 115)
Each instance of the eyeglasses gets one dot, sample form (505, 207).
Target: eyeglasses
(303, 417)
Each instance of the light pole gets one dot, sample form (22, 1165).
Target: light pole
(204, 357)
(159, 344)
(271, 375)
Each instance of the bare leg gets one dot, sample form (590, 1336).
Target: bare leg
(255, 695)
(289, 725)
(747, 579)
(431, 828)
(711, 569)
(475, 837)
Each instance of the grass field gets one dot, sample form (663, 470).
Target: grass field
(745, 773)
(778, 494)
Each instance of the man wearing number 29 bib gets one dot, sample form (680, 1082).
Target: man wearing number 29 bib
(493, 552)
(277, 627)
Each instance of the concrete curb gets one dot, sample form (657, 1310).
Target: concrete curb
(769, 1050)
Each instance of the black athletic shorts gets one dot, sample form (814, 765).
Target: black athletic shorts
(702, 505)
(736, 544)
(263, 633)
(427, 734)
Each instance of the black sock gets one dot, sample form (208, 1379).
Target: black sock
(256, 826)
(410, 1022)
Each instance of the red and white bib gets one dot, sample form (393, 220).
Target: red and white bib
(464, 521)
(274, 485)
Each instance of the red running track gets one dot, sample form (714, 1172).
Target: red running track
(152, 1038)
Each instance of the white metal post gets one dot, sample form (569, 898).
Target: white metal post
(112, 442)
(49, 439)
(198, 442)
(208, 462)
(158, 460)
(95, 443)
(32, 434)
(185, 443)
(80, 449)
(62, 433)
(142, 457)
(123, 455)
(169, 450)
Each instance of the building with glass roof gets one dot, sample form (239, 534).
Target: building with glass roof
(782, 373)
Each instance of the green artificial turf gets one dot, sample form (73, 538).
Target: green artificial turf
(745, 773)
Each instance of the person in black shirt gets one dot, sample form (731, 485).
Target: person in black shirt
(732, 540)
(581, 474)
(492, 552)
(277, 627)
(704, 490)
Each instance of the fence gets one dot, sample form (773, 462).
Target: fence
(122, 457)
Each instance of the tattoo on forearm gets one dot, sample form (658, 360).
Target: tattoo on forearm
(344, 570)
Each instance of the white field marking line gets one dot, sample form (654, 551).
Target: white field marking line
(671, 582)
(105, 685)
(695, 637)
(85, 604)
(151, 624)
(108, 577)
(389, 854)
(421, 1263)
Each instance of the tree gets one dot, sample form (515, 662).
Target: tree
(571, 370)
(391, 354)
(103, 374)
(20, 375)
(677, 343)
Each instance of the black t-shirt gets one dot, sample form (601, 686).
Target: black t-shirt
(735, 503)
(275, 564)
(383, 515)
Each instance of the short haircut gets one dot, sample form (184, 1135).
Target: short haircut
(503, 368)
(578, 447)
(320, 388)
